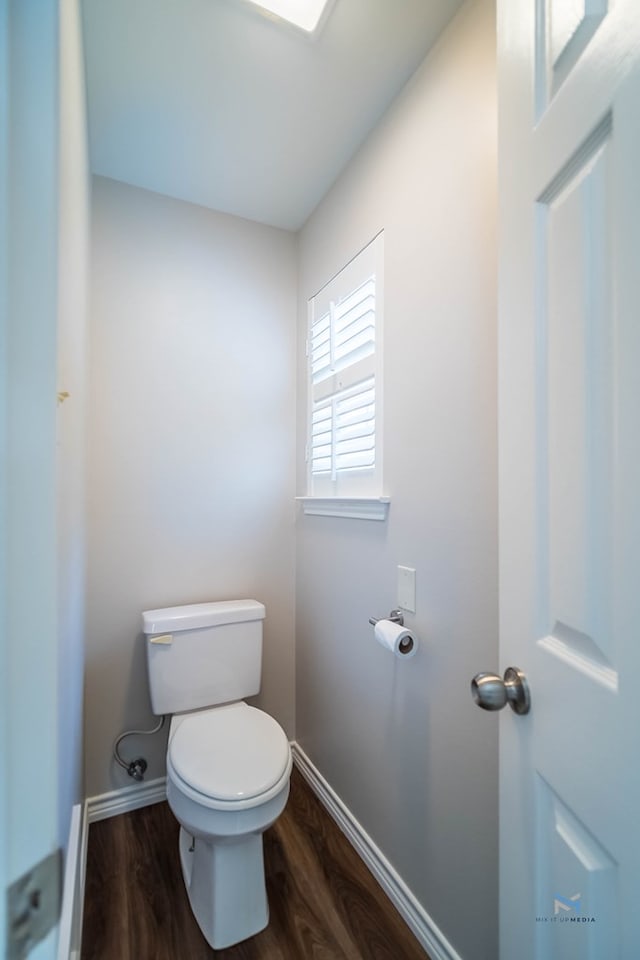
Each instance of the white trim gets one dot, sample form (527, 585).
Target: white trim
(70, 929)
(125, 799)
(356, 508)
(418, 920)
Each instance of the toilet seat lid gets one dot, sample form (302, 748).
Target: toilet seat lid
(230, 753)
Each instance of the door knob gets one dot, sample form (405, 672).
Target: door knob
(490, 692)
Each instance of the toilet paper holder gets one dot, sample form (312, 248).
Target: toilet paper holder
(396, 616)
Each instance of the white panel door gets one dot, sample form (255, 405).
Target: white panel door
(28, 545)
(569, 176)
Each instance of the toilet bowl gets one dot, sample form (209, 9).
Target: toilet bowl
(228, 763)
(228, 772)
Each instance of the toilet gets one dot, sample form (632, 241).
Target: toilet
(228, 763)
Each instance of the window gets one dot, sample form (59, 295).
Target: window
(307, 16)
(344, 349)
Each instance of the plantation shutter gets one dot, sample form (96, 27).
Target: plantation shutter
(342, 361)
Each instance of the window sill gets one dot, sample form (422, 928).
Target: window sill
(355, 508)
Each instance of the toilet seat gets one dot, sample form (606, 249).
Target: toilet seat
(231, 757)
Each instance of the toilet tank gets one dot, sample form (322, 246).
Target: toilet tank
(203, 654)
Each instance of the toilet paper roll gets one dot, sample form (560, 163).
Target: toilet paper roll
(396, 638)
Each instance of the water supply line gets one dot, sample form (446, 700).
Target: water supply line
(136, 768)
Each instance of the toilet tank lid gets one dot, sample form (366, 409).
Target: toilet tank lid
(196, 615)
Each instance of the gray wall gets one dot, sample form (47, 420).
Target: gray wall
(401, 742)
(192, 463)
(191, 446)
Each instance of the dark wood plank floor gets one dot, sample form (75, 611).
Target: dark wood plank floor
(324, 904)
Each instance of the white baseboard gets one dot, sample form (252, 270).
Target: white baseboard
(125, 799)
(70, 927)
(412, 911)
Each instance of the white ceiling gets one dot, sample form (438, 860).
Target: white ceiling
(210, 102)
